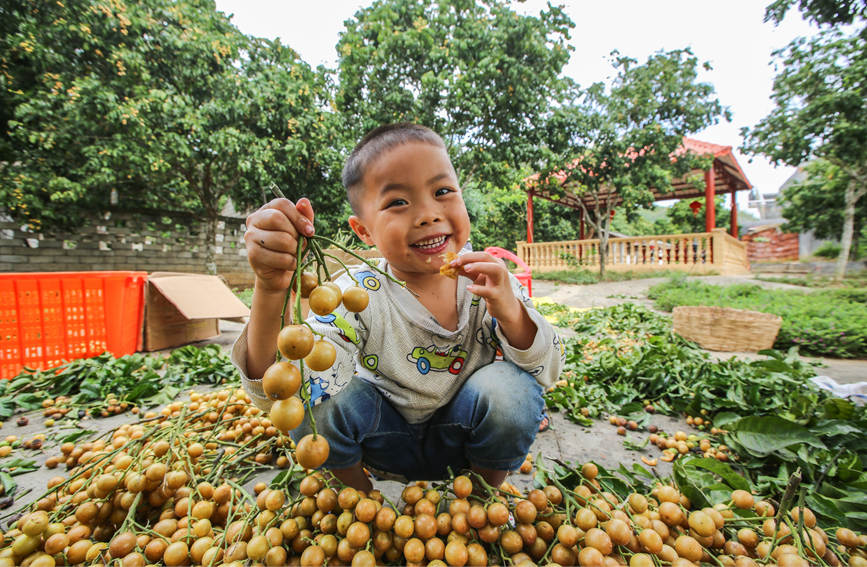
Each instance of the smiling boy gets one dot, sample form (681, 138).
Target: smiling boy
(419, 391)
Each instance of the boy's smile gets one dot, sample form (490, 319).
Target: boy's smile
(412, 209)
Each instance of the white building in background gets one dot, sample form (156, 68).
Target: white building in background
(770, 213)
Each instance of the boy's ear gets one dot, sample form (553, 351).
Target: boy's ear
(359, 229)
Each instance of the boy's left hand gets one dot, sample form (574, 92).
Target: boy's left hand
(490, 282)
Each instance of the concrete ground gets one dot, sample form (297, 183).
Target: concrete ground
(564, 441)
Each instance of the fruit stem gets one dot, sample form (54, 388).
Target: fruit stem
(317, 252)
(312, 330)
(305, 397)
(363, 260)
(336, 259)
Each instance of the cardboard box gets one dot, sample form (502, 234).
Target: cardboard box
(183, 308)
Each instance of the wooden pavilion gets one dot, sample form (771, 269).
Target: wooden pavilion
(696, 252)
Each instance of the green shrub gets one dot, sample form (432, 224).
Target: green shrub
(828, 250)
(830, 323)
(578, 277)
(581, 276)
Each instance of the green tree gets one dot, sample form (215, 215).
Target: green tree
(620, 141)
(820, 111)
(822, 12)
(163, 103)
(815, 204)
(478, 73)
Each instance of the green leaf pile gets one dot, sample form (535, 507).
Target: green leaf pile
(139, 379)
(775, 419)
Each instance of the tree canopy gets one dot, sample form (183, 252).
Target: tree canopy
(163, 103)
(628, 136)
(822, 12)
(478, 73)
(816, 202)
(820, 111)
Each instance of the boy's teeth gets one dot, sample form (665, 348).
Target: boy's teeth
(430, 243)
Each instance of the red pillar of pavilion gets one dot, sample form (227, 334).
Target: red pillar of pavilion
(734, 227)
(709, 195)
(529, 216)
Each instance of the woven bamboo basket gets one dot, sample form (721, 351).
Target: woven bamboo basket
(727, 329)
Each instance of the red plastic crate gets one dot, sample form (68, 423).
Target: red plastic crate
(48, 318)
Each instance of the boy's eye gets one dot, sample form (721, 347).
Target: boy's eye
(443, 191)
(395, 203)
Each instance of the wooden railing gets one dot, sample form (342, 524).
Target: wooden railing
(702, 252)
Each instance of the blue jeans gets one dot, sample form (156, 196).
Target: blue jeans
(490, 423)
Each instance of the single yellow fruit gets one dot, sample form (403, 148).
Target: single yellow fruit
(282, 380)
(322, 356)
(287, 414)
(312, 451)
(295, 341)
(355, 299)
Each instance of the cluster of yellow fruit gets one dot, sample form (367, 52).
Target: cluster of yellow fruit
(167, 492)
(146, 491)
(681, 443)
(283, 379)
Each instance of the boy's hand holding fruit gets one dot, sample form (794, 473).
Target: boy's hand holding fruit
(272, 241)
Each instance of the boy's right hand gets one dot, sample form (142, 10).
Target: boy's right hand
(271, 239)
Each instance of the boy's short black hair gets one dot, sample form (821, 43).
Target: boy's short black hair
(373, 144)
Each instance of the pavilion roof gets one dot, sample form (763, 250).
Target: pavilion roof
(728, 176)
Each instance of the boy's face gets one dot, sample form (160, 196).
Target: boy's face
(412, 209)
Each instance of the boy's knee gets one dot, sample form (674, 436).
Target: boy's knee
(507, 395)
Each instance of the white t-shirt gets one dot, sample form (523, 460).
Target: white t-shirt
(398, 346)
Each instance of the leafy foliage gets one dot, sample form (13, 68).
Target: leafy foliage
(820, 111)
(817, 204)
(828, 250)
(165, 104)
(139, 379)
(685, 221)
(822, 12)
(645, 222)
(498, 217)
(623, 137)
(830, 323)
(478, 73)
(775, 419)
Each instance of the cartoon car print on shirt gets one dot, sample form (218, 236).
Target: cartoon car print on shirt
(368, 279)
(318, 389)
(347, 332)
(427, 359)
